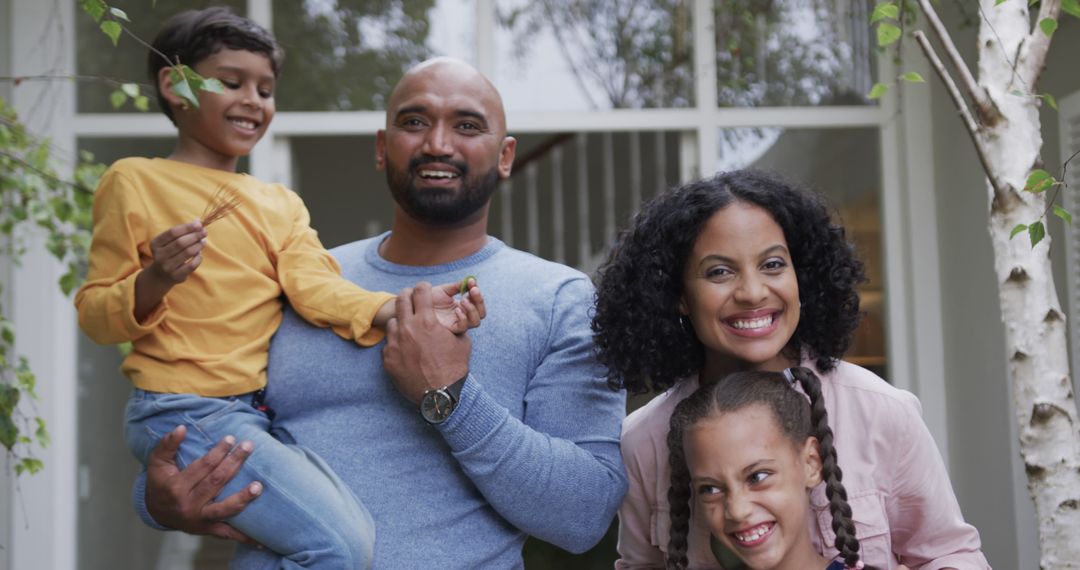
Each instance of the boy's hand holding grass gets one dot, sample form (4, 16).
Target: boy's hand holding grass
(456, 315)
(177, 252)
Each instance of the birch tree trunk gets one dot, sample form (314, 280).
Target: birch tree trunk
(1046, 412)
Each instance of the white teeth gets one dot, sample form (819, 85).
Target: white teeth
(242, 123)
(437, 174)
(753, 323)
(752, 534)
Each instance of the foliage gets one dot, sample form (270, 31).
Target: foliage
(892, 16)
(35, 195)
(346, 55)
(640, 53)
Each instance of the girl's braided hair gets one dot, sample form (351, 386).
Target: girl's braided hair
(797, 419)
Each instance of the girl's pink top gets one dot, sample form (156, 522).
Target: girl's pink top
(903, 504)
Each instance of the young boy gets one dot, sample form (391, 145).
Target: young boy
(200, 309)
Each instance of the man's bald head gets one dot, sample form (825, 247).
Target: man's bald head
(447, 78)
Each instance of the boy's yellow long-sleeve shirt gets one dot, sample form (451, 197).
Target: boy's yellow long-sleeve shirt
(210, 334)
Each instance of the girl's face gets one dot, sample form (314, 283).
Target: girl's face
(750, 484)
(740, 290)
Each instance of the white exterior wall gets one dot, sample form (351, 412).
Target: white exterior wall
(944, 323)
(43, 534)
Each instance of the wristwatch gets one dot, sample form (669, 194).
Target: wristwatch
(437, 405)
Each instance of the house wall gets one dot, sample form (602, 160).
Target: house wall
(5, 278)
(985, 465)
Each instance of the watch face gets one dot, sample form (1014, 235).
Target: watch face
(436, 406)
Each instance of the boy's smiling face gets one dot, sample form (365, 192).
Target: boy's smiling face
(226, 125)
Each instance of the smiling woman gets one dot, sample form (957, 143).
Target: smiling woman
(743, 271)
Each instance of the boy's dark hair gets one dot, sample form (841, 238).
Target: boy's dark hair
(638, 333)
(195, 35)
(796, 419)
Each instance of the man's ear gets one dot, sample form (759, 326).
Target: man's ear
(506, 156)
(811, 455)
(380, 149)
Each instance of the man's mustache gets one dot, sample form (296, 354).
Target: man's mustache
(416, 162)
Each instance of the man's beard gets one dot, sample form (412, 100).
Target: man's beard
(440, 206)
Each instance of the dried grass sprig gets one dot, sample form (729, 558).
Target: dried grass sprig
(222, 203)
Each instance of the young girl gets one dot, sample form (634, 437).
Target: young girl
(747, 450)
(743, 271)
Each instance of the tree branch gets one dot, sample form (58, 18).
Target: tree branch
(1039, 43)
(972, 127)
(988, 111)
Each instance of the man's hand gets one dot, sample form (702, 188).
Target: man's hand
(421, 354)
(458, 316)
(181, 499)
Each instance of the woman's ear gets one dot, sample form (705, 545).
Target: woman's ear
(811, 455)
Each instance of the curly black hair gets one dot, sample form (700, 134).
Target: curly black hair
(194, 35)
(637, 330)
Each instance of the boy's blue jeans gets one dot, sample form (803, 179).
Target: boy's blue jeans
(305, 513)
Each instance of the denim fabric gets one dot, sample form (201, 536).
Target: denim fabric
(305, 513)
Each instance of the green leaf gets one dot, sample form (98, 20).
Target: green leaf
(68, 282)
(1063, 214)
(95, 8)
(29, 464)
(113, 30)
(913, 76)
(212, 85)
(1048, 26)
(9, 434)
(130, 89)
(1071, 7)
(1019, 228)
(118, 13)
(1038, 181)
(182, 87)
(117, 98)
(9, 398)
(878, 91)
(7, 332)
(142, 103)
(998, 2)
(41, 433)
(887, 34)
(1049, 100)
(885, 10)
(1037, 232)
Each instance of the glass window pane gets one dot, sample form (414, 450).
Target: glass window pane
(347, 54)
(793, 53)
(103, 67)
(593, 54)
(844, 165)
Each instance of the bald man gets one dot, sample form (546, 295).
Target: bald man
(459, 446)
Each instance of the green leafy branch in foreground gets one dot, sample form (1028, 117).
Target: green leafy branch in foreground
(892, 16)
(1040, 181)
(185, 81)
(34, 195)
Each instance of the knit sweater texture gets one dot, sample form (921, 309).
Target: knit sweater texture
(532, 448)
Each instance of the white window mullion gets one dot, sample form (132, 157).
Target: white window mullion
(705, 86)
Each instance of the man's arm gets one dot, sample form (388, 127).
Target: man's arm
(555, 474)
(167, 497)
